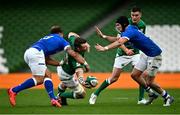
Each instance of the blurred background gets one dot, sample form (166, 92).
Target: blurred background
(23, 22)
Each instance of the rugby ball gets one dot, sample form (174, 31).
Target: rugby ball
(92, 81)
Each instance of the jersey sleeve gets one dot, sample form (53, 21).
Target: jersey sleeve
(66, 44)
(127, 35)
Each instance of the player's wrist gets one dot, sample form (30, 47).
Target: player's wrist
(85, 63)
(106, 48)
(104, 36)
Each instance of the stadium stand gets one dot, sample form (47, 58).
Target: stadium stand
(163, 26)
(3, 68)
(26, 21)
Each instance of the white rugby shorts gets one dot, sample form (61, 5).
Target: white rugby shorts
(150, 64)
(122, 61)
(70, 81)
(36, 61)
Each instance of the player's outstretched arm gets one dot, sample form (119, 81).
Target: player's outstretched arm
(109, 38)
(115, 44)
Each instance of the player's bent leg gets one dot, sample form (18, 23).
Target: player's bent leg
(136, 75)
(12, 92)
(50, 90)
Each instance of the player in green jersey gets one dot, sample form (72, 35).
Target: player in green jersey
(71, 72)
(136, 20)
(125, 54)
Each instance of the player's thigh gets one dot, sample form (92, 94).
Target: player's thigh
(142, 63)
(135, 59)
(115, 74)
(79, 91)
(68, 80)
(154, 63)
(36, 61)
(122, 61)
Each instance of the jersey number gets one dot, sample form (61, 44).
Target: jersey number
(47, 37)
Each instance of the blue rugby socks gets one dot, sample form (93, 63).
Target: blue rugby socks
(25, 85)
(49, 87)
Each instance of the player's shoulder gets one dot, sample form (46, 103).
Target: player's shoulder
(131, 28)
(142, 23)
(71, 40)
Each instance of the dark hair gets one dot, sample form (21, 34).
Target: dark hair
(78, 42)
(123, 20)
(55, 30)
(136, 9)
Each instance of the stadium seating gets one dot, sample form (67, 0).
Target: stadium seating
(3, 60)
(26, 21)
(163, 26)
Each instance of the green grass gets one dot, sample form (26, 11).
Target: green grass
(119, 101)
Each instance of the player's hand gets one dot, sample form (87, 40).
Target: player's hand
(129, 52)
(98, 31)
(99, 48)
(86, 85)
(73, 34)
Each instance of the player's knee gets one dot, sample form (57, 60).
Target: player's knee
(39, 79)
(48, 74)
(134, 76)
(80, 95)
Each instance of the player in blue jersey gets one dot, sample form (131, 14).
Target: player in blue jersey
(150, 60)
(126, 54)
(38, 56)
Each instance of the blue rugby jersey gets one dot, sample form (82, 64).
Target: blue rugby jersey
(141, 41)
(51, 44)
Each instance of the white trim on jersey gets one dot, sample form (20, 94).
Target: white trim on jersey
(65, 48)
(125, 37)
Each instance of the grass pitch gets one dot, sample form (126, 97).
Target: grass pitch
(116, 101)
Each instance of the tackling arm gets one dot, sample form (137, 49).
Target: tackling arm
(50, 61)
(78, 57)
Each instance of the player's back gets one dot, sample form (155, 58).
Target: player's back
(141, 41)
(51, 44)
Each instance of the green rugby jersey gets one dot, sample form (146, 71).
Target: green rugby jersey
(71, 64)
(142, 26)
